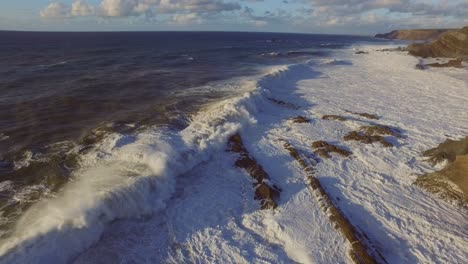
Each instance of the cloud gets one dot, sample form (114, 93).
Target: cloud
(119, 8)
(413, 7)
(184, 19)
(61, 10)
(127, 8)
(343, 13)
(198, 6)
(81, 8)
(331, 16)
(56, 10)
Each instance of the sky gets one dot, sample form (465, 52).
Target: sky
(363, 17)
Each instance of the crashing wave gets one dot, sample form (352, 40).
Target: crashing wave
(129, 176)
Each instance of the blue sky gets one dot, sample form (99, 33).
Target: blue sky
(311, 16)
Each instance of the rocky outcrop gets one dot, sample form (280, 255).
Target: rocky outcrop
(414, 34)
(452, 44)
(362, 251)
(266, 193)
(450, 183)
(373, 134)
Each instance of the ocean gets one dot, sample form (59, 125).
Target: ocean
(97, 127)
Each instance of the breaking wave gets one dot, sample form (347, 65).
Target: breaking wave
(130, 176)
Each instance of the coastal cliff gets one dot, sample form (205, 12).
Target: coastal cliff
(453, 44)
(415, 34)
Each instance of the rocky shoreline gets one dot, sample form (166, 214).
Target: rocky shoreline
(448, 43)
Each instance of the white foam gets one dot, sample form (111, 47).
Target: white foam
(127, 176)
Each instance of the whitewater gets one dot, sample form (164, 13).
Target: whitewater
(161, 196)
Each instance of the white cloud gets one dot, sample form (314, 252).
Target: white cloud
(298, 15)
(414, 7)
(184, 19)
(199, 6)
(81, 8)
(119, 8)
(56, 10)
(126, 8)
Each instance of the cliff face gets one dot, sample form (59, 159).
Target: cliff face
(452, 44)
(415, 34)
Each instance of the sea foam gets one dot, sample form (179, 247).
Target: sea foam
(129, 177)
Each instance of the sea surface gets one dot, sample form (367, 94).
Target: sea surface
(63, 94)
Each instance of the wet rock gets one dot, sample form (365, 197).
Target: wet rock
(359, 242)
(300, 119)
(393, 49)
(324, 149)
(266, 194)
(366, 115)
(380, 130)
(372, 134)
(367, 139)
(334, 117)
(284, 104)
(293, 152)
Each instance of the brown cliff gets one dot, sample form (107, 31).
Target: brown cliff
(453, 44)
(415, 34)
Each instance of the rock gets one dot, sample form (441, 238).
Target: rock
(334, 117)
(366, 115)
(300, 119)
(448, 150)
(380, 130)
(450, 183)
(373, 134)
(266, 194)
(395, 49)
(453, 44)
(323, 149)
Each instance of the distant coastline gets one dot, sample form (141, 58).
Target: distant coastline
(415, 34)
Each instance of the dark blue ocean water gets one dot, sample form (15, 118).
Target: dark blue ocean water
(60, 90)
(53, 86)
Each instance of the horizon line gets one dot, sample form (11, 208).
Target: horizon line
(182, 31)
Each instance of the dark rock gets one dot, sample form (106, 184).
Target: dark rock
(323, 149)
(265, 193)
(366, 115)
(334, 117)
(300, 119)
(367, 139)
